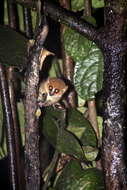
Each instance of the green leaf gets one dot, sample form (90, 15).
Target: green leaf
(54, 113)
(50, 129)
(81, 127)
(71, 172)
(12, 47)
(88, 73)
(77, 5)
(97, 3)
(90, 153)
(50, 124)
(60, 137)
(73, 177)
(79, 132)
(90, 20)
(75, 43)
(67, 143)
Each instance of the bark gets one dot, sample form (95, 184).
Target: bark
(7, 112)
(16, 128)
(68, 74)
(32, 161)
(114, 47)
(28, 22)
(68, 18)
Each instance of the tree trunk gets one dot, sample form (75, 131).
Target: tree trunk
(114, 46)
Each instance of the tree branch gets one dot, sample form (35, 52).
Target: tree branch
(16, 127)
(7, 111)
(69, 18)
(32, 161)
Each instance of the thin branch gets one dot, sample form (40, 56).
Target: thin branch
(68, 66)
(68, 18)
(87, 9)
(12, 14)
(32, 161)
(93, 119)
(16, 129)
(68, 73)
(7, 112)
(28, 22)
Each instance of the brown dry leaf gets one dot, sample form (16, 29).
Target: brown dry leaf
(44, 53)
(30, 44)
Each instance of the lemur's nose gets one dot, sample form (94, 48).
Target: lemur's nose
(51, 92)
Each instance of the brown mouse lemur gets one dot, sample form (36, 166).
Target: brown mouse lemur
(51, 91)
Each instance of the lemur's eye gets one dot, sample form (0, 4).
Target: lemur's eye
(56, 91)
(50, 87)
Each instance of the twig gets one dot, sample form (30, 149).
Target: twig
(87, 9)
(68, 67)
(68, 18)
(16, 129)
(93, 118)
(9, 127)
(12, 14)
(28, 22)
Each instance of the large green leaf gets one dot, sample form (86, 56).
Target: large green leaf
(73, 177)
(88, 74)
(77, 140)
(81, 127)
(60, 137)
(67, 143)
(12, 47)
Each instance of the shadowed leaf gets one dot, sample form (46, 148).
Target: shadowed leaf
(12, 48)
(73, 177)
(71, 141)
(67, 143)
